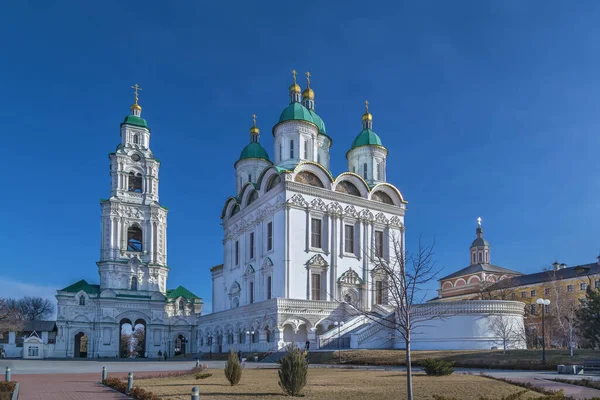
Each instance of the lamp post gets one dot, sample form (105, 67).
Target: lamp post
(339, 326)
(250, 337)
(543, 303)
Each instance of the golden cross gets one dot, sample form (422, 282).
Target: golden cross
(308, 78)
(294, 74)
(254, 118)
(135, 88)
(367, 105)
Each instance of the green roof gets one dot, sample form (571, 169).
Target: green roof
(318, 121)
(366, 137)
(296, 111)
(181, 292)
(82, 285)
(137, 121)
(254, 150)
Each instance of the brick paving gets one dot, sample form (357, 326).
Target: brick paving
(66, 387)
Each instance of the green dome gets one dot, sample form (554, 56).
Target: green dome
(318, 121)
(254, 150)
(137, 121)
(296, 111)
(365, 138)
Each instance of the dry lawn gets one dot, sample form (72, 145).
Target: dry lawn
(519, 359)
(331, 384)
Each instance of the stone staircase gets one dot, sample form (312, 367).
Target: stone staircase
(273, 357)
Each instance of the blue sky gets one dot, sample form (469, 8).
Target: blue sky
(488, 108)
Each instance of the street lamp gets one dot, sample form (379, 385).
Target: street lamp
(251, 337)
(339, 325)
(543, 303)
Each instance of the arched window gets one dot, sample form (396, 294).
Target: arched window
(365, 170)
(481, 256)
(82, 300)
(135, 182)
(280, 151)
(180, 305)
(378, 171)
(136, 139)
(306, 149)
(134, 238)
(291, 149)
(134, 283)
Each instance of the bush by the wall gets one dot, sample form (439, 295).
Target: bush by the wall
(137, 393)
(293, 369)
(437, 367)
(233, 368)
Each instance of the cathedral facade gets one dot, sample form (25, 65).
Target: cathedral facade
(300, 245)
(133, 268)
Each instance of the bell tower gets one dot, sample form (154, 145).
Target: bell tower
(133, 251)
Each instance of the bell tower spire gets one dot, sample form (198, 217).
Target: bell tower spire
(480, 248)
(136, 109)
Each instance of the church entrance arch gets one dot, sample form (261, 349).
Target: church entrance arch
(80, 349)
(132, 339)
(301, 335)
(180, 345)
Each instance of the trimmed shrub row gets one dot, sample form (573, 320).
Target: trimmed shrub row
(136, 393)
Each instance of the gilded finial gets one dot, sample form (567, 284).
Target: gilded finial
(295, 88)
(136, 109)
(479, 221)
(308, 92)
(367, 115)
(135, 88)
(254, 130)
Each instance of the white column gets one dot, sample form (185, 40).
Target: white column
(309, 283)
(334, 253)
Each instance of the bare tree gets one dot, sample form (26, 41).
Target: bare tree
(504, 290)
(506, 330)
(31, 308)
(9, 320)
(404, 279)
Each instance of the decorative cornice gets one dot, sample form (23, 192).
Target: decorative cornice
(344, 198)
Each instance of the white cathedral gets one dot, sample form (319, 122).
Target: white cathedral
(301, 248)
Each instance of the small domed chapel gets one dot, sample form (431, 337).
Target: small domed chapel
(300, 244)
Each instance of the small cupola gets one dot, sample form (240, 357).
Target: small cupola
(480, 248)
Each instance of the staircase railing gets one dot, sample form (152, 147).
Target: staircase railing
(348, 326)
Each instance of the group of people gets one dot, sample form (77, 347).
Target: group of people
(2, 353)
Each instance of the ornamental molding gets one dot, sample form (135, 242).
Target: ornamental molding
(351, 211)
(267, 264)
(335, 209)
(395, 221)
(298, 200)
(317, 261)
(318, 204)
(328, 194)
(249, 220)
(366, 215)
(381, 218)
(350, 277)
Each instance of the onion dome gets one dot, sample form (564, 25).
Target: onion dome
(296, 111)
(367, 137)
(254, 149)
(318, 122)
(136, 111)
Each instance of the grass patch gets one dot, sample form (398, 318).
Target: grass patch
(513, 359)
(335, 384)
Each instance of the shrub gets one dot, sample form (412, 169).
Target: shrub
(293, 369)
(7, 387)
(203, 375)
(437, 367)
(233, 368)
(142, 394)
(116, 384)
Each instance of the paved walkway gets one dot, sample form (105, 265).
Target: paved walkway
(79, 380)
(65, 387)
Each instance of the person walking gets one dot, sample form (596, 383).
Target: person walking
(240, 355)
(307, 345)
